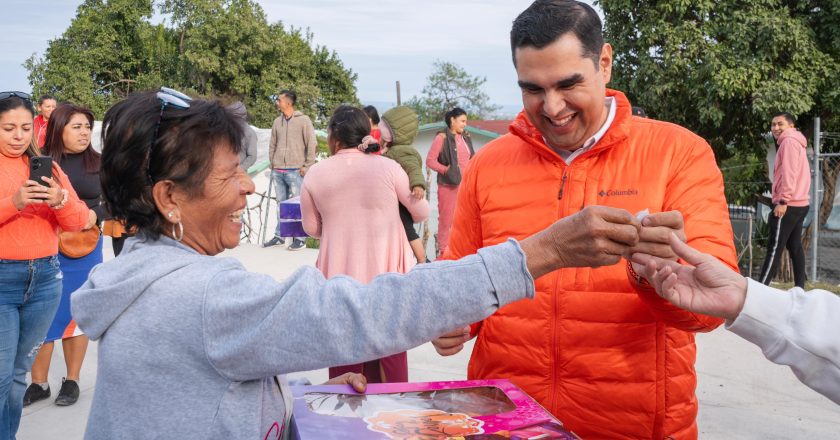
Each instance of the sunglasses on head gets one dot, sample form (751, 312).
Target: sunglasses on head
(167, 97)
(21, 95)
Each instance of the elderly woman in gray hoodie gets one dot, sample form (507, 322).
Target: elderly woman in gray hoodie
(194, 346)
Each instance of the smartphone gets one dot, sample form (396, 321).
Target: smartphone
(40, 166)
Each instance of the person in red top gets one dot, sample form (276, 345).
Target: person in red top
(46, 105)
(597, 347)
(791, 188)
(30, 278)
(373, 115)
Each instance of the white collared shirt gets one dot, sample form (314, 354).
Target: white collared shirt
(569, 156)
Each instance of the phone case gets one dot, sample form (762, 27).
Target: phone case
(40, 166)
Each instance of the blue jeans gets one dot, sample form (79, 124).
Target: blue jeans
(30, 291)
(286, 185)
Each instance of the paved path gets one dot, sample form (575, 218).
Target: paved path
(742, 396)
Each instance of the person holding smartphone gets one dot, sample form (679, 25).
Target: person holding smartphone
(30, 277)
(68, 143)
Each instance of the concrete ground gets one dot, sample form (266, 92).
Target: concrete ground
(742, 395)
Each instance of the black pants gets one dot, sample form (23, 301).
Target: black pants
(408, 224)
(785, 232)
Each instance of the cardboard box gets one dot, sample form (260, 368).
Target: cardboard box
(290, 209)
(291, 228)
(469, 410)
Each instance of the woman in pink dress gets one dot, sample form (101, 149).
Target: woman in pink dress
(449, 155)
(351, 202)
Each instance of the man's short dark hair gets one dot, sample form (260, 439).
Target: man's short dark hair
(788, 117)
(290, 94)
(44, 98)
(547, 20)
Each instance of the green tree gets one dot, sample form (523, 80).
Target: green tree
(211, 48)
(718, 67)
(449, 85)
(721, 68)
(101, 55)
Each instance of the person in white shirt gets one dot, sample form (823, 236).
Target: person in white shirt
(795, 328)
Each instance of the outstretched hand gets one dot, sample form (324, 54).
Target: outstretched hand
(593, 237)
(707, 286)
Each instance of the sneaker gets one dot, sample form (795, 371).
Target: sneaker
(69, 393)
(274, 242)
(297, 245)
(35, 393)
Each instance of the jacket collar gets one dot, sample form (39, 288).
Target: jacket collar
(619, 130)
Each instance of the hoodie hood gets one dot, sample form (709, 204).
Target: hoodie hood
(113, 286)
(403, 123)
(794, 135)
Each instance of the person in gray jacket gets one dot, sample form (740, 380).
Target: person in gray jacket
(195, 346)
(291, 151)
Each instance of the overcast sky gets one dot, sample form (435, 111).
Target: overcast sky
(381, 40)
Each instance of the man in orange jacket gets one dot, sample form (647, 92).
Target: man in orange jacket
(596, 347)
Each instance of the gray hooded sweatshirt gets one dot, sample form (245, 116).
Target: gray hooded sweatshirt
(189, 345)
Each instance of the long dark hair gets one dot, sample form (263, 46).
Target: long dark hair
(54, 142)
(14, 102)
(349, 125)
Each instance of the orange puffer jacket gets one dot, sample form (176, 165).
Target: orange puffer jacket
(608, 358)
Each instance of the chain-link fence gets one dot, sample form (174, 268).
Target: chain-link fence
(824, 252)
(821, 238)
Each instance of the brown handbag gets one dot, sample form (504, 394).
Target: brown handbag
(78, 244)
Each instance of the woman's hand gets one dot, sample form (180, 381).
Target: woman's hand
(707, 286)
(593, 237)
(356, 380)
(55, 192)
(30, 192)
(91, 220)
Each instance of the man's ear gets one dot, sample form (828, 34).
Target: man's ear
(605, 62)
(166, 196)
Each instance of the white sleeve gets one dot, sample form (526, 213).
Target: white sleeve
(798, 329)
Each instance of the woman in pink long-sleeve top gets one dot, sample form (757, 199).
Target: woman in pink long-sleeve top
(351, 202)
(449, 155)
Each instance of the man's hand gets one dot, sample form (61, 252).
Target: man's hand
(780, 210)
(709, 287)
(655, 235)
(596, 236)
(356, 380)
(453, 342)
(302, 171)
(418, 192)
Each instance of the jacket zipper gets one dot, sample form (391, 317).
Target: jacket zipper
(562, 185)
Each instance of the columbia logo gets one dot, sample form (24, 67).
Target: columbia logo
(618, 192)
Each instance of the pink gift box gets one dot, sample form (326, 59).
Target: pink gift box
(471, 409)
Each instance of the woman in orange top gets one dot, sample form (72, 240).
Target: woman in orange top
(68, 142)
(30, 278)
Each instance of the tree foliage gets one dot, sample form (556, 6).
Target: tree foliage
(210, 48)
(449, 85)
(722, 67)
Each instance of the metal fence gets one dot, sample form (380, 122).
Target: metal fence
(824, 255)
(821, 238)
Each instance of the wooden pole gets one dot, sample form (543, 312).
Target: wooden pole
(399, 101)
